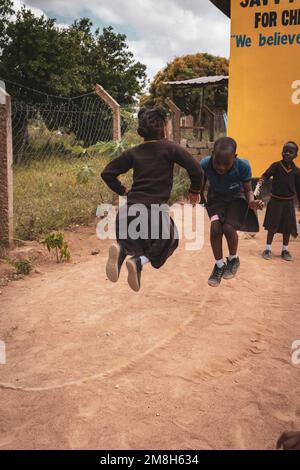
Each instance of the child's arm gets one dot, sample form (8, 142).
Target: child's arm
(117, 167)
(253, 204)
(297, 184)
(183, 158)
(246, 179)
(289, 441)
(202, 195)
(265, 177)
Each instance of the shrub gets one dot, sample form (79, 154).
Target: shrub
(56, 241)
(23, 266)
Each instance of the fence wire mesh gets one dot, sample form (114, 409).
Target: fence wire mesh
(59, 150)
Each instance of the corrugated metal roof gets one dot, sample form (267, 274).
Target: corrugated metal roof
(200, 82)
(223, 5)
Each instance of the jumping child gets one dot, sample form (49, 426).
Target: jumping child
(280, 215)
(152, 163)
(230, 205)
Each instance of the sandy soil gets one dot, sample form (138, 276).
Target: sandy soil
(179, 365)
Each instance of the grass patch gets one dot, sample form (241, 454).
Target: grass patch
(54, 195)
(49, 196)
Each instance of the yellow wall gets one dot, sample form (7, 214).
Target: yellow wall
(264, 91)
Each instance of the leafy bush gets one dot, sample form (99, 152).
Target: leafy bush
(113, 149)
(181, 186)
(23, 266)
(42, 141)
(56, 241)
(85, 174)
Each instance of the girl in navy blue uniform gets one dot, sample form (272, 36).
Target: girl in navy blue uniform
(230, 204)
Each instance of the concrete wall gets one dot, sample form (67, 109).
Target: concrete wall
(6, 179)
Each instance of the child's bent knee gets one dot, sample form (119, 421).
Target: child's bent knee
(229, 229)
(216, 229)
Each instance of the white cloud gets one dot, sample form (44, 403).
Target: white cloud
(37, 11)
(157, 31)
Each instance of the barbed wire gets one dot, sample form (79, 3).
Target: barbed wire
(5, 80)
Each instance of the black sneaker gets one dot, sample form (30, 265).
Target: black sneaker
(115, 261)
(216, 276)
(286, 256)
(134, 267)
(267, 254)
(231, 268)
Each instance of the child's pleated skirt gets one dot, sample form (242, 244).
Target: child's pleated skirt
(152, 234)
(281, 217)
(232, 210)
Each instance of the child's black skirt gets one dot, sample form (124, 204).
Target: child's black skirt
(158, 234)
(281, 217)
(232, 210)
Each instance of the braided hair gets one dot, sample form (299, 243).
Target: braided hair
(152, 123)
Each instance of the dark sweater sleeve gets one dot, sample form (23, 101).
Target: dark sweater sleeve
(117, 167)
(297, 184)
(183, 158)
(270, 172)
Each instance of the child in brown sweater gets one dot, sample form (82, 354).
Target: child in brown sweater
(280, 215)
(152, 163)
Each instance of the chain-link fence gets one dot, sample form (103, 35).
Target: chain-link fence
(60, 146)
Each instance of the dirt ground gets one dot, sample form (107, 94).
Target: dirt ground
(178, 366)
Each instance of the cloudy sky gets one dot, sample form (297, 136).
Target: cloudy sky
(157, 31)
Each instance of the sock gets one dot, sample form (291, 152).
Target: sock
(231, 257)
(285, 248)
(144, 260)
(220, 263)
(268, 247)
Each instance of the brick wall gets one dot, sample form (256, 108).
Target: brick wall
(199, 150)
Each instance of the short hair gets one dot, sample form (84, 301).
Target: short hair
(226, 143)
(293, 143)
(152, 122)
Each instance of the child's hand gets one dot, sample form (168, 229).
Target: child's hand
(194, 199)
(203, 201)
(289, 441)
(256, 205)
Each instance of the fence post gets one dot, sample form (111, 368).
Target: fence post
(177, 116)
(211, 123)
(116, 109)
(6, 172)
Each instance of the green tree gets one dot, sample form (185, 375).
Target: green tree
(36, 53)
(6, 10)
(67, 62)
(185, 68)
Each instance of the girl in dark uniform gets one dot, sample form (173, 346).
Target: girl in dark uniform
(152, 163)
(281, 216)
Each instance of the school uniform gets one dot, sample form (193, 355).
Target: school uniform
(153, 164)
(280, 215)
(226, 200)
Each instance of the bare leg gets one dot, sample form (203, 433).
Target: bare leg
(216, 236)
(270, 238)
(232, 239)
(286, 239)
